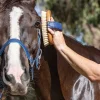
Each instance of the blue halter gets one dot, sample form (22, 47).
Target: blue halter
(14, 40)
(32, 61)
(36, 60)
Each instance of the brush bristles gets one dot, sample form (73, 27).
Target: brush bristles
(44, 28)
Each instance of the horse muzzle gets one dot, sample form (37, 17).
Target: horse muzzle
(16, 88)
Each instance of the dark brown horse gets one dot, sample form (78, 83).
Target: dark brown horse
(56, 80)
(19, 45)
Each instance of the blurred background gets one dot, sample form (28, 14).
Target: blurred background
(80, 18)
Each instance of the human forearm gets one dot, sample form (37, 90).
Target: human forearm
(81, 64)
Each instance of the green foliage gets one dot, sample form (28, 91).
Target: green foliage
(75, 13)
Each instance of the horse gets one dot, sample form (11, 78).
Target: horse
(19, 48)
(57, 80)
(54, 78)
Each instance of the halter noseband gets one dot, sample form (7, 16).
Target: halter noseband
(32, 61)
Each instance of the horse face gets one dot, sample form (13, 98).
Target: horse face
(23, 26)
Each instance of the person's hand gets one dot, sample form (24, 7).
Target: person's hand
(58, 38)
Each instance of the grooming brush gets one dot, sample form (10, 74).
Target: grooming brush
(46, 23)
(47, 37)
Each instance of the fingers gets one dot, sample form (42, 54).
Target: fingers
(51, 31)
(51, 19)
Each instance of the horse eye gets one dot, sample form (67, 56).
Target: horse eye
(37, 24)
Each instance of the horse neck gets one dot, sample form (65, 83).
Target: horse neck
(76, 46)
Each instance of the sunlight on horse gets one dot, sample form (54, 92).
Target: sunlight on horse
(55, 80)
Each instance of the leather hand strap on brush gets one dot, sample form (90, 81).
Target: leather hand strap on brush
(47, 37)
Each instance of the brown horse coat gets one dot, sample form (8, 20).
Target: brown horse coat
(56, 80)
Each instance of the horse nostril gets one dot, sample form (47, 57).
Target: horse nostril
(25, 76)
(9, 77)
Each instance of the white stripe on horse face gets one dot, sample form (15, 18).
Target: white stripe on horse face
(14, 61)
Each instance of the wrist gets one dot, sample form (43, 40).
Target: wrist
(61, 47)
(66, 50)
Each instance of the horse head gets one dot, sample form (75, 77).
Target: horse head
(19, 24)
